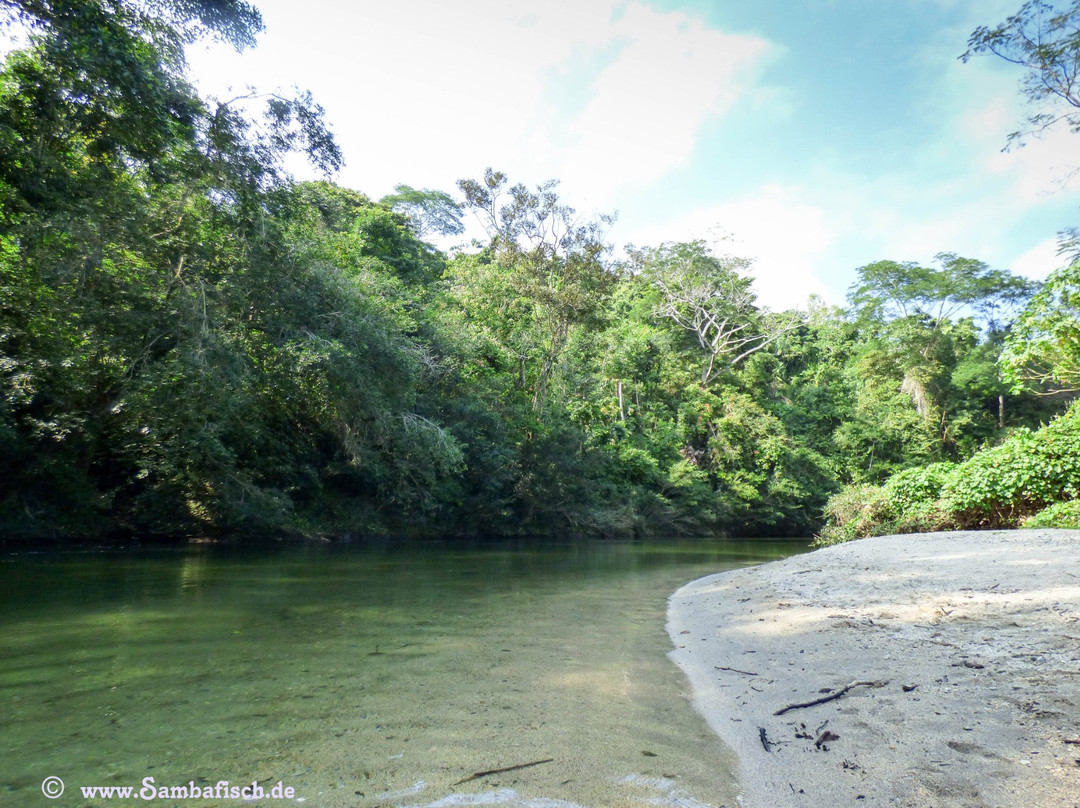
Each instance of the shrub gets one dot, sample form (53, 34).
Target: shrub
(854, 513)
(1032, 478)
(1000, 486)
(917, 487)
(1060, 514)
(922, 517)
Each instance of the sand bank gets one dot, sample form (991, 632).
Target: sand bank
(969, 647)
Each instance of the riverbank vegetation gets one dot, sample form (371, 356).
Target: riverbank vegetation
(192, 344)
(1027, 478)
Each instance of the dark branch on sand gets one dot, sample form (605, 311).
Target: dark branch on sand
(503, 770)
(831, 697)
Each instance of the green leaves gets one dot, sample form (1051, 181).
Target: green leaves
(429, 212)
(711, 298)
(890, 290)
(1028, 471)
(553, 262)
(192, 343)
(1043, 348)
(997, 487)
(1046, 42)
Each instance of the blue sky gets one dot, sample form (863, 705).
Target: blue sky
(814, 137)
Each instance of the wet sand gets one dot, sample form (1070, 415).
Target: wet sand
(947, 665)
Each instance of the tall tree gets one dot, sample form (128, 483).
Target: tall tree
(1040, 352)
(888, 290)
(555, 261)
(711, 297)
(921, 328)
(429, 212)
(140, 230)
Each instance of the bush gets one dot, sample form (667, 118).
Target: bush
(1060, 514)
(1001, 486)
(917, 487)
(1032, 478)
(854, 513)
(922, 517)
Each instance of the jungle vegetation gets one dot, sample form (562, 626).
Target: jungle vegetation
(194, 344)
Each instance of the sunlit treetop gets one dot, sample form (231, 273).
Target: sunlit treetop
(169, 24)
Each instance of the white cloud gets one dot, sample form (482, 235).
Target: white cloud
(784, 236)
(980, 105)
(613, 97)
(425, 92)
(1043, 166)
(672, 73)
(1039, 261)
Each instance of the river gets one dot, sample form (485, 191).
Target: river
(403, 675)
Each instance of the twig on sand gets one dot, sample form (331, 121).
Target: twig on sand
(831, 697)
(733, 670)
(764, 739)
(503, 770)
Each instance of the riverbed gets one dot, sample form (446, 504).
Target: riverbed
(407, 675)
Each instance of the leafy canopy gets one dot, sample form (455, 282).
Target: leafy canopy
(889, 290)
(428, 211)
(711, 297)
(1043, 347)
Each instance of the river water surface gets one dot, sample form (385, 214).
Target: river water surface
(359, 676)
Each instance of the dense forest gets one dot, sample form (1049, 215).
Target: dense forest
(194, 344)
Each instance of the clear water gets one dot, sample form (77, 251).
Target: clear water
(359, 676)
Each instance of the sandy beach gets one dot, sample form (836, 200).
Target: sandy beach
(946, 668)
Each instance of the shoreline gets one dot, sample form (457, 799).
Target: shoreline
(962, 651)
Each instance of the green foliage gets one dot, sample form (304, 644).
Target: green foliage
(1029, 473)
(1029, 470)
(909, 502)
(428, 211)
(922, 342)
(187, 344)
(916, 486)
(854, 513)
(191, 343)
(711, 298)
(168, 24)
(553, 263)
(1059, 515)
(894, 290)
(1043, 347)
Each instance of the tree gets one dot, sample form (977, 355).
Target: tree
(1046, 42)
(711, 298)
(888, 290)
(428, 211)
(121, 64)
(921, 339)
(143, 260)
(168, 24)
(1043, 347)
(1041, 350)
(554, 261)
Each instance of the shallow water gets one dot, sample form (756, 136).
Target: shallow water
(359, 676)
